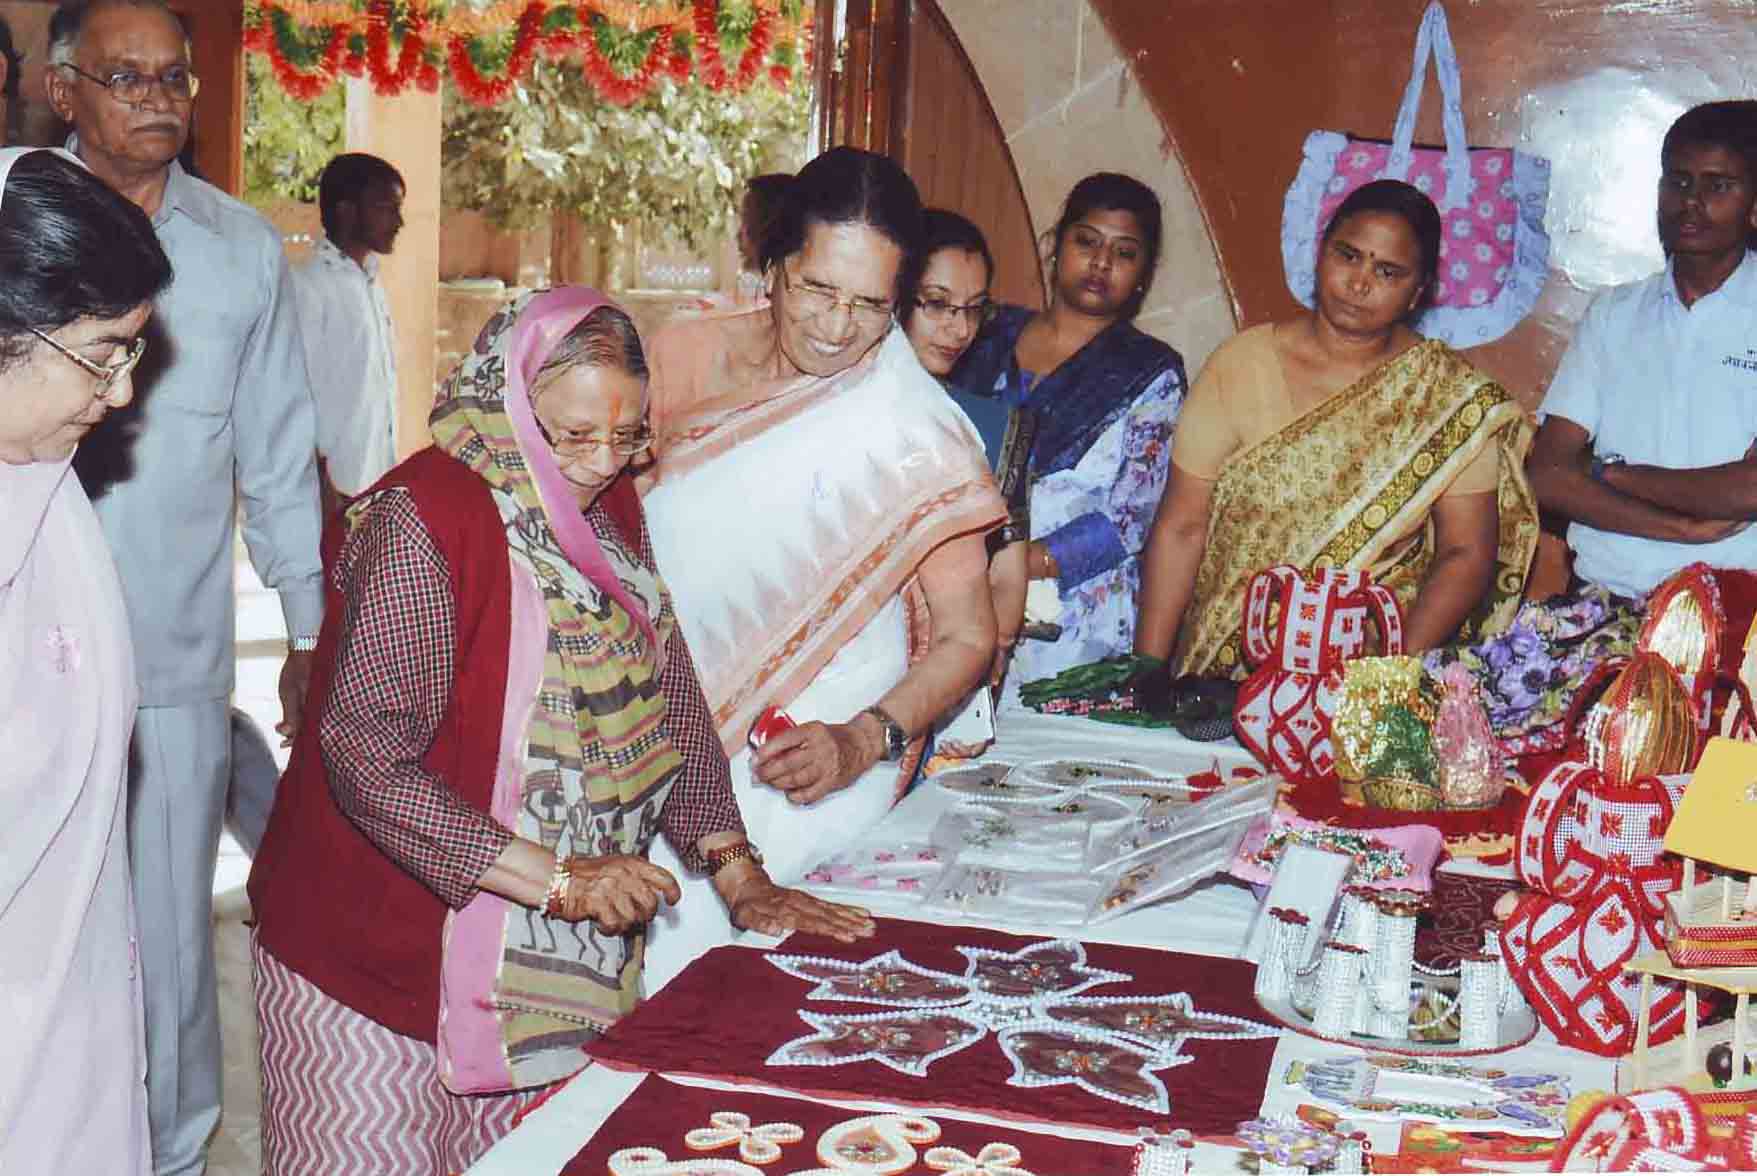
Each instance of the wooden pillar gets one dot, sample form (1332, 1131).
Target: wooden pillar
(216, 45)
(405, 130)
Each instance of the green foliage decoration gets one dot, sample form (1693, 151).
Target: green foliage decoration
(678, 158)
(287, 142)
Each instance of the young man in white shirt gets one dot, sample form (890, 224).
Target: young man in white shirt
(1646, 447)
(350, 344)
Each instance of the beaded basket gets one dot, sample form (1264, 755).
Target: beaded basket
(1644, 724)
(1402, 794)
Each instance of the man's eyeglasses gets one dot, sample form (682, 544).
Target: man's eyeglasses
(623, 442)
(939, 310)
(106, 373)
(814, 300)
(131, 87)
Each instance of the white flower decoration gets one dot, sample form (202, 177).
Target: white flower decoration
(1500, 273)
(995, 1159)
(1503, 232)
(1336, 185)
(1424, 183)
(1485, 253)
(1462, 228)
(1479, 296)
(756, 1144)
(1460, 270)
(1486, 210)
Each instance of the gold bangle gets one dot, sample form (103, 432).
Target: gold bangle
(557, 892)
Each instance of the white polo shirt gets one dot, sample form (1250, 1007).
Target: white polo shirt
(1665, 385)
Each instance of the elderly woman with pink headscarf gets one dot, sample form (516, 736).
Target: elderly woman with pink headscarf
(79, 266)
(452, 891)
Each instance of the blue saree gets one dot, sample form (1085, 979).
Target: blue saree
(1096, 468)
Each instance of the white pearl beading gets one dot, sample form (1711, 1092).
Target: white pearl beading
(756, 1144)
(995, 1159)
(650, 1161)
(872, 1145)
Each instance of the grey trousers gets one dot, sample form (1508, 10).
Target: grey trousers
(179, 774)
(254, 778)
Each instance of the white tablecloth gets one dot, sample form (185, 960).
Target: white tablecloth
(1210, 919)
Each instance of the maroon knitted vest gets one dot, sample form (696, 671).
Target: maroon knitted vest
(328, 903)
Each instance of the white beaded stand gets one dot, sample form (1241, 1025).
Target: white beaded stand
(1479, 1001)
(1360, 990)
(1339, 979)
(1391, 967)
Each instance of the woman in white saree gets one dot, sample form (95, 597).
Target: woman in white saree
(818, 506)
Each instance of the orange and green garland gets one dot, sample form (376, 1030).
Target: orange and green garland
(622, 46)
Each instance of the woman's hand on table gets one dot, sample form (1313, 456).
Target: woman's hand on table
(757, 904)
(812, 760)
(618, 892)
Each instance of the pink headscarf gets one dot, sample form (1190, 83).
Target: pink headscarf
(539, 322)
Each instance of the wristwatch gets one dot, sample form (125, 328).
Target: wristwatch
(1599, 463)
(719, 859)
(896, 739)
(301, 644)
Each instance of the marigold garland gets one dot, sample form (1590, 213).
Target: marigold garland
(615, 88)
(305, 85)
(486, 91)
(358, 38)
(386, 79)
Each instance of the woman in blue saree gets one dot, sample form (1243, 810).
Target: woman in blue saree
(1076, 408)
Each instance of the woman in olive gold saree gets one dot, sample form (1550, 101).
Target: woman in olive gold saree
(1343, 439)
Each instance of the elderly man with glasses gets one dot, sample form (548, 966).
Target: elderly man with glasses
(222, 411)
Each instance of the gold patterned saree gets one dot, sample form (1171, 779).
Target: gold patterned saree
(1352, 484)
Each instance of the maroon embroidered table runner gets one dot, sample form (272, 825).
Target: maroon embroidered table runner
(1037, 1030)
(784, 1135)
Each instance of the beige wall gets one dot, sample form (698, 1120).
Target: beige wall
(1069, 107)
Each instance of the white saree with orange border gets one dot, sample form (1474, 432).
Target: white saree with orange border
(790, 519)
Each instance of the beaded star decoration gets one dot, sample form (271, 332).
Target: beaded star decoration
(1107, 1046)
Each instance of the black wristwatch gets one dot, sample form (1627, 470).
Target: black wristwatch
(896, 739)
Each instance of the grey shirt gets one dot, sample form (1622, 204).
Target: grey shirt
(221, 413)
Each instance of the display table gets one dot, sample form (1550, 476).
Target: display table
(1209, 920)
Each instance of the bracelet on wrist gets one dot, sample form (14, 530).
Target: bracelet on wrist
(557, 892)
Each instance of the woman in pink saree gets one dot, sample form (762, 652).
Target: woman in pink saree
(79, 266)
(819, 505)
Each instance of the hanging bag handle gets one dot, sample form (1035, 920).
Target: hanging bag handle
(1390, 617)
(1434, 38)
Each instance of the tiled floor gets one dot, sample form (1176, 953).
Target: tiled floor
(237, 1149)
